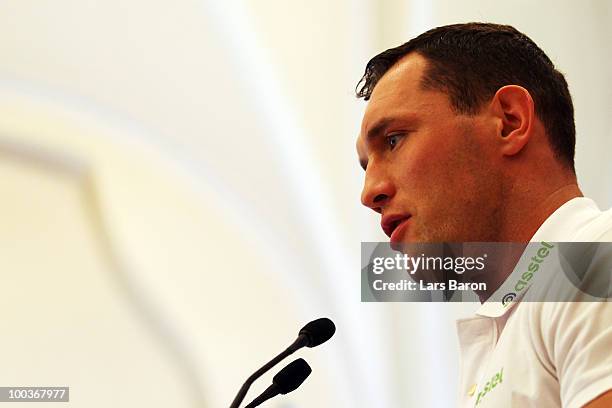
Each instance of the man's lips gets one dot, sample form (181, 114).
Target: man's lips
(399, 232)
(391, 224)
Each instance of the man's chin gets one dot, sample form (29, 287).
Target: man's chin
(397, 246)
(408, 243)
(404, 245)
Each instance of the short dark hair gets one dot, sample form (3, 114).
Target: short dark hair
(471, 61)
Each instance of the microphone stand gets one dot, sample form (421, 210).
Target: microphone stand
(300, 342)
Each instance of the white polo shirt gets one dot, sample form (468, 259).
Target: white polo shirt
(541, 354)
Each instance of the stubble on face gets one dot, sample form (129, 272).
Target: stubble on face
(466, 204)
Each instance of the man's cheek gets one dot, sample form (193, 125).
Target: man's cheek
(421, 174)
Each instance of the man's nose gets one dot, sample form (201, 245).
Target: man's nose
(377, 191)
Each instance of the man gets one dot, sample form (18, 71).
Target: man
(469, 136)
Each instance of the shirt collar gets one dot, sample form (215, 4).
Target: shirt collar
(563, 225)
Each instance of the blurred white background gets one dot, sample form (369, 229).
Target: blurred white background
(179, 194)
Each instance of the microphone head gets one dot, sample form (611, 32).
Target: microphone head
(318, 331)
(292, 376)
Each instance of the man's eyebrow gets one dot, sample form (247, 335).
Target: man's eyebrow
(403, 119)
(378, 128)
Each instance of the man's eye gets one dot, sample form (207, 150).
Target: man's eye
(393, 140)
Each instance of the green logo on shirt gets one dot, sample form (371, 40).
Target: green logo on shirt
(523, 282)
(490, 385)
(533, 266)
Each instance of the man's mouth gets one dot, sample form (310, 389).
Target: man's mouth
(393, 225)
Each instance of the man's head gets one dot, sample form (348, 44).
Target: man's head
(456, 118)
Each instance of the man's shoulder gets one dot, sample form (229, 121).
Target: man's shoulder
(597, 227)
(606, 220)
(573, 340)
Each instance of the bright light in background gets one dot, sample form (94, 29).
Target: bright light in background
(311, 197)
(420, 17)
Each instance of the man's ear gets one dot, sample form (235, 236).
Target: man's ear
(513, 106)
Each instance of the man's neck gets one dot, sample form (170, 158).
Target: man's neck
(524, 220)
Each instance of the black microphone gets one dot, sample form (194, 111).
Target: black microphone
(314, 333)
(317, 332)
(286, 380)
